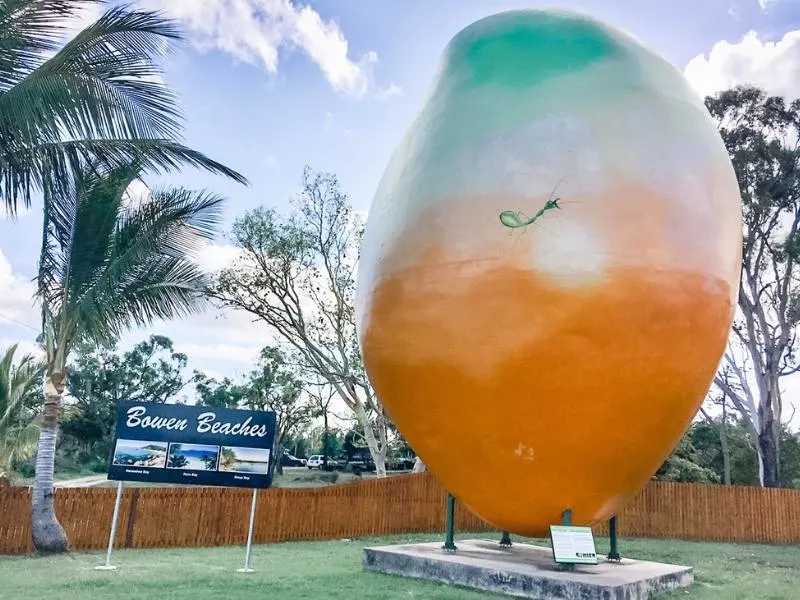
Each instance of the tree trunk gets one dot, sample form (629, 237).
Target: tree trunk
(277, 456)
(726, 451)
(325, 440)
(279, 461)
(768, 453)
(48, 535)
(376, 449)
(768, 450)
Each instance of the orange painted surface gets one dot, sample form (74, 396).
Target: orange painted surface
(526, 396)
(595, 376)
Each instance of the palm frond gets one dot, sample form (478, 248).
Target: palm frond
(162, 288)
(29, 30)
(78, 227)
(105, 82)
(51, 165)
(99, 100)
(6, 363)
(119, 265)
(19, 443)
(16, 384)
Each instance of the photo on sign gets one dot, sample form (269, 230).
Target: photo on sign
(140, 453)
(236, 459)
(193, 457)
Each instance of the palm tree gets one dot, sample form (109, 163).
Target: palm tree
(19, 426)
(110, 262)
(97, 98)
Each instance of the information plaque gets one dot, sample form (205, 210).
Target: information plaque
(573, 545)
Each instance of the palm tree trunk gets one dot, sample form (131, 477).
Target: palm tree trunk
(48, 535)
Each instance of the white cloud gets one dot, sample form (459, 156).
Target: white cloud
(765, 4)
(247, 355)
(328, 121)
(773, 66)
(21, 211)
(87, 14)
(16, 297)
(256, 31)
(219, 336)
(137, 193)
(219, 344)
(214, 257)
(386, 93)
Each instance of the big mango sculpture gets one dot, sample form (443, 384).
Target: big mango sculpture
(549, 269)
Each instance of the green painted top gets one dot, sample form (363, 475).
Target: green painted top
(522, 48)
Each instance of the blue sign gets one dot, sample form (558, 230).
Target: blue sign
(196, 445)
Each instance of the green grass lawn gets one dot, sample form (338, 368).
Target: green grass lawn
(312, 570)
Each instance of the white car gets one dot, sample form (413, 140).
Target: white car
(317, 461)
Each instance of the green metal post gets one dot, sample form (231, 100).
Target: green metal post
(449, 535)
(505, 541)
(613, 553)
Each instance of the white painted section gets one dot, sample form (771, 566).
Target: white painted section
(570, 252)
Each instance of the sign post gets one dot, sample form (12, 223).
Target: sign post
(194, 445)
(112, 536)
(246, 568)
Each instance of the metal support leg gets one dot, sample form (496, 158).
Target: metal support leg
(449, 542)
(566, 517)
(112, 536)
(505, 541)
(613, 553)
(248, 552)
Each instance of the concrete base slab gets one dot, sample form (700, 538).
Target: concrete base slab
(527, 571)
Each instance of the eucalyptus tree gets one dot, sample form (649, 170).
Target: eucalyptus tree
(296, 273)
(761, 133)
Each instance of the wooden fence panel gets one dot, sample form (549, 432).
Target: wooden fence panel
(15, 518)
(176, 517)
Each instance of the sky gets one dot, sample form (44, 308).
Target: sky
(269, 86)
